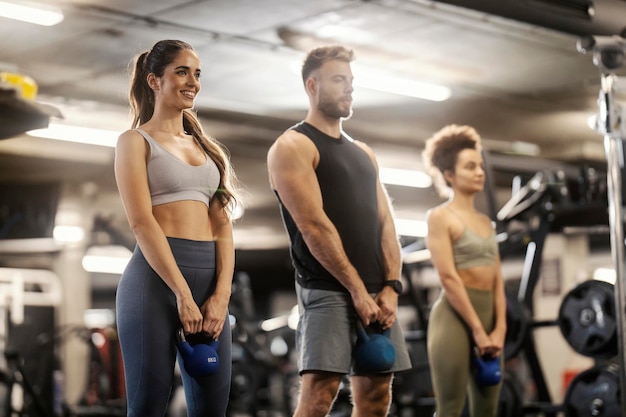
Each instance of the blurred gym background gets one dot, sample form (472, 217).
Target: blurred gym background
(509, 68)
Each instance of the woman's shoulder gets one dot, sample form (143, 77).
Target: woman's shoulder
(131, 140)
(440, 210)
(131, 133)
(439, 214)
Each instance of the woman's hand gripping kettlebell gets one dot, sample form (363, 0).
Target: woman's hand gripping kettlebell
(199, 359)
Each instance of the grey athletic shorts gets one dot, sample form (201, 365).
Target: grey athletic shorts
(326, 333)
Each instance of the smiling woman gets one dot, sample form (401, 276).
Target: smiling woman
(176, 187)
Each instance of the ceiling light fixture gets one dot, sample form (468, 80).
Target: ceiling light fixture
(403, 87)
(106, 259)
(379, 81)
(405, 177)
(91, 136)
(43, 15)
(68, 234)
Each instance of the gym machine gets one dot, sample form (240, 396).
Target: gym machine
(19, 394)
(549, 203)
(608, 55)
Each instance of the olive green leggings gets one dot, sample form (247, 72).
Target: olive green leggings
(449, 351)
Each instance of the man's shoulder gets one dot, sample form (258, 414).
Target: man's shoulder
(289, 144)
(291, 136)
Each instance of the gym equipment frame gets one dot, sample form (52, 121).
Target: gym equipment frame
(608, 56)
(16, 292)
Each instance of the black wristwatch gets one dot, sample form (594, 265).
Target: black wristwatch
(395, 284)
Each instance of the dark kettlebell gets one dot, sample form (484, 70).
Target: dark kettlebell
(486, 369)
(374, 351)
(199, 358)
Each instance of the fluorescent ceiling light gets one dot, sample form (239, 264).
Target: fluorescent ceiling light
(274, 323)
(416, 256)
(415, 228)
(78, 134)
(99, 318)
(405, 87)
(379, 81)
(68, 234)
(405, 177)
(106, 259)
(43, 15)
(294, 317)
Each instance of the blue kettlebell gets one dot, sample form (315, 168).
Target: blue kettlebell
(199, 358)
(486, 369)
(374, 351)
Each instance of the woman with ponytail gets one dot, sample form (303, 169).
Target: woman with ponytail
(176, 185)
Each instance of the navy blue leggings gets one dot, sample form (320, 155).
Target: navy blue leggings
(147, 322)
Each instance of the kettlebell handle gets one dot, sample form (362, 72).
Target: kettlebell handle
(477, 352)
(360, 328)
(196, 338)
(478, 355)
(364, 335)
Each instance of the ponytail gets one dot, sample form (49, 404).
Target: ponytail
(141, 96)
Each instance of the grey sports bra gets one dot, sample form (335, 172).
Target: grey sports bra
(171, 179)
(471, 250)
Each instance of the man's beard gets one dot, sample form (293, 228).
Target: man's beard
(331, 108)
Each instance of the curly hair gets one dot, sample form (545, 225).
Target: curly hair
(442, 150)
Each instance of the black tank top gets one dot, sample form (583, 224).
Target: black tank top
(347, 179)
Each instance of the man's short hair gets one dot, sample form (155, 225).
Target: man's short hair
(318, 56)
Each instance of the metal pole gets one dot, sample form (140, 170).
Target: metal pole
(614, 157)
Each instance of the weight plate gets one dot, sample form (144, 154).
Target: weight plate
(517, 319)
(594, 392)
(587, 319)
(510, 401)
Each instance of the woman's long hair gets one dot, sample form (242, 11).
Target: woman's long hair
(141, 99)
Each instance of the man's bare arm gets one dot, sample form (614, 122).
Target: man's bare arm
(291, 164)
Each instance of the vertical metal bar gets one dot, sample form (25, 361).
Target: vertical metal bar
(614, 157)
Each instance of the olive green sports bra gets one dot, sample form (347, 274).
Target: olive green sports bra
(471, 250)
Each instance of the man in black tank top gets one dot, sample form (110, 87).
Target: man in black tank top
(344, 245)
